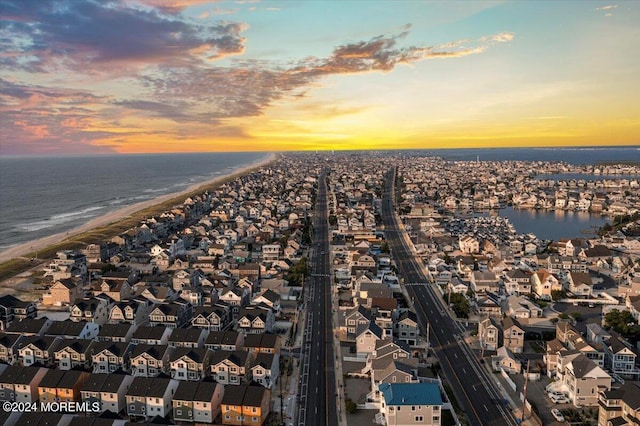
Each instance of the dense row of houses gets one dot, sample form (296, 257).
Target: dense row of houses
(182, 316)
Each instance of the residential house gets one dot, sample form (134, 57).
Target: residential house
(553, 355)
(12, 308)
(36, 350)
(619, 406)
(265, 369)
(150, 397)
(513, 335)
(410, 404)
(521, 307)
(255, 320)
(150, 360)
(354, 318)
(366, 337)
(117, 289)
(197, 402)
(29, 327)
(565, 331)
(584, 380)
(580, 284)
(484, 282)
(407, 328)
(245, 405)
(213, 318)
(505, 360)
(109, 390)
(68, 329)
(92, 310)
(225, 340)
(73, 354)
(63, 292)
(488, 306)
(116, 332)
(133, 312)
(490, 334)
(517, 282)
(61, 386)
(9, 344)
(20, 384)
(151, 335)
(621, 358)
(109, 357)
(543, 283)
(187, 338)
(172, 315)
(269, 298)
(231, 368)
(266, 343)
(190, 363)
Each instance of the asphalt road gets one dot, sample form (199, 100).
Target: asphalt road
(471, 384)
(317, 404)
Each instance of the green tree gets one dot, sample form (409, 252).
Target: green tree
(623, 323)
(460, 305)
(577, 316)
(558, 294)
(350, 406)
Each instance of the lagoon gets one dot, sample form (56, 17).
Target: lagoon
(554, 225)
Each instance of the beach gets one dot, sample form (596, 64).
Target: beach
(117, 215)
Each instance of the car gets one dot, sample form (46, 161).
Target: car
(557, 415)
(558, 399)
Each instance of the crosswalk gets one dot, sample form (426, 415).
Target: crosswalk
(416, 284)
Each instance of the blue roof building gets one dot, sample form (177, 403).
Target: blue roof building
(411, 403)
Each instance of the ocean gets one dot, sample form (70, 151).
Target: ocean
(43, 196)
(576, 156)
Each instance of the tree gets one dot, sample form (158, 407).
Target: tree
(385, 248)
(558, 294)
(577, 316)
(350, 406)
(297, 272)
(623, 323)
(460, 305)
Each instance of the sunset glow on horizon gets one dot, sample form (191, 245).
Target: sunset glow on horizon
(143, 76)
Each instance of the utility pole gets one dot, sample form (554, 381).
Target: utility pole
(524, 392)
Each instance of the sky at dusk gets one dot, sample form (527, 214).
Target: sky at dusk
(132, 76)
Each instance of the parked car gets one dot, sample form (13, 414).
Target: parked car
(558, 399)
(557, 415)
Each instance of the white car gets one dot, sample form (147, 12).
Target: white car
(558, 398)
(557, 415)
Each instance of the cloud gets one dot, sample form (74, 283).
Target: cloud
(249, 87)
(170, 6)
(45, 36)
(167, 61)
(608, 7)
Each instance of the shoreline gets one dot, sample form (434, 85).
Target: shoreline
(109, 218)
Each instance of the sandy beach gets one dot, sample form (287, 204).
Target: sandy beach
(115, 216)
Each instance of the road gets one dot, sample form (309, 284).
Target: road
(471, 384)
(317, 404)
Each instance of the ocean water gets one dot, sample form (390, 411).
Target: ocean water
(42, 196)
(591, 155)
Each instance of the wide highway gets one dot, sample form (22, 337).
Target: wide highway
(472, 386)
(317, 396)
